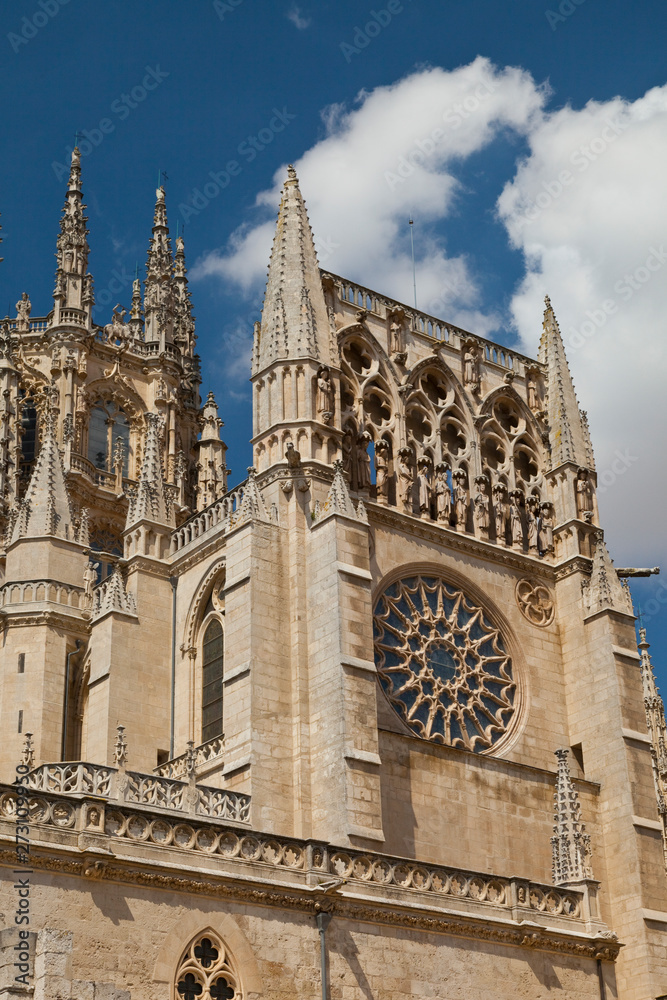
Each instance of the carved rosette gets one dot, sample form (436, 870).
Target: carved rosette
(443, 665)
(536, 602)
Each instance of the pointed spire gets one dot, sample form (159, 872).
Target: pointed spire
(150, 501)
(184, 321)
(211, 468)
(159, 292)
(339, 500)
(657, 730)
(604, 589)
(111, 595)
(295, 321)
(136, 323)
(74, 286)
(45, 508)
(252, 505)
(570, 844)
(568, 431)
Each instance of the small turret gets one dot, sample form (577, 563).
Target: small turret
(211, 468)
(159, 291)
(73, 293)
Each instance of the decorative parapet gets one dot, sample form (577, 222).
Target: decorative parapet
(121, 787)
(241, 504)
(570, 844)
(206, 753)
(37, 591)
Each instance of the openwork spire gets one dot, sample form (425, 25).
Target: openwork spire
(604, 590)
(159, 292)
(45, 508)
(184, 321)
(74, 286)
(150, 502)
(295, 322)
(570, 844)
(568, 428)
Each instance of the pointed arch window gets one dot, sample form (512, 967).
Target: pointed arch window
(108, 424)
(207, 971)
(212, 670)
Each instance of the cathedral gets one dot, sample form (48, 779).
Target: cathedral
(371, 724)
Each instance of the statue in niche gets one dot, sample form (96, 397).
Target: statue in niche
(516, 523)
(395, 338)
(382, 470)
(325, 401)
(545, 535)
(89, 580)
(460, 500)
(584, 494)
(405, 479)
(531, 390)
(424, 485)
(23, 308)
(443, 494)
(531, 522)
(500, 512)
(481, 506)
(349, 457)
(363, 461)
(471, 366)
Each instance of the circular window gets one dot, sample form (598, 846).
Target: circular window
(442, 664)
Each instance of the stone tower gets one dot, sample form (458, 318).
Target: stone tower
(372, 721)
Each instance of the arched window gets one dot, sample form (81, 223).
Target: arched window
(107, 424)
(207, 971)
(212, 665)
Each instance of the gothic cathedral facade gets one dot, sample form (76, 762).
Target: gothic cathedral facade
(372, 723)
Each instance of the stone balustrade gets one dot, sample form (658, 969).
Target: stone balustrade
(225, 511)
(201, 755)
(37, 591)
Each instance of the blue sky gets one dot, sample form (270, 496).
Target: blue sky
(192, 88)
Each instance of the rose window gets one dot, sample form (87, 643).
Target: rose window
(442, 664)
(206, 972)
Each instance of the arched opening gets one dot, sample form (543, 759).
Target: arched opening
(107, 426)
(212, 671)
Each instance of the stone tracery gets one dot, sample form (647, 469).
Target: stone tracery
(442, 664)
(206, 971)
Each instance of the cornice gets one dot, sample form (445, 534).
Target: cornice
(54, 619)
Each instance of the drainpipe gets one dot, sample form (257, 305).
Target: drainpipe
(323, 921)
(603, 991)
(73, 652)
(173, 580)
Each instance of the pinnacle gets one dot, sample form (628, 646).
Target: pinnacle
(570, 843)
(339, 500)
(605, 589)
(150, 502)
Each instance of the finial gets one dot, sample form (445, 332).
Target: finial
(28, 752)
(291, 172)
(120, 747)
(547, 302)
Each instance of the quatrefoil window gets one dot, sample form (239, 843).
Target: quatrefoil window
(442, 664)
(206, 971)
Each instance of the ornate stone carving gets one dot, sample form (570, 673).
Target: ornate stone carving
(326, 400)
(443, 494)
(571, 845)
(424, 487)
(405, 479)
(363, 461)
(500, 512)
(545, 535)
(482, 517)
(207, 970)
(442, 664)
(516, 522)
(535, 601)
(460, 499)
(23, 309)
(584, 489)
(382, 471)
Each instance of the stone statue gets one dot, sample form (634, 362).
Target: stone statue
(117, 331)
(531, 388)
(396, 345)
(460, 500)
(545, 535)
(531, 522)
(89, 580)
(293, 456)
(516, 524)
(349, 457)
(482, 516)
(405, 479)
(424, 485)
(325, 402)
(382, 470)
(443, 494)
(23, 308)
(363, 461)
(500, 512)
(471, 366)
(584, 493)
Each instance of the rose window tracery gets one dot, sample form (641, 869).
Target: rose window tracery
(442, 664)
(206, 971)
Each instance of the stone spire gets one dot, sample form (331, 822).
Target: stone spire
(184, 321)
(604, 591)
(568, 429)
(295, 322)
(45, 508)
(150, 502)
(252, 505)
(159, 292)
(111, 595)
(339, 500)
(657, 730)
(570, 844)
(136, 323)
(73, 292)
(211, 467)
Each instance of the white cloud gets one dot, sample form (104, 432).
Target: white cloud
(587, 210)
(298, 20)
(586, 236)
(390, 156)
